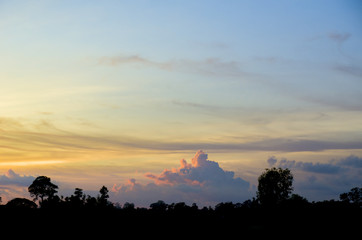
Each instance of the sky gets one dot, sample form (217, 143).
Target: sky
(180, 100)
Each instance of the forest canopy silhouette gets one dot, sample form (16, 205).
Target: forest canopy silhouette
(274, 204)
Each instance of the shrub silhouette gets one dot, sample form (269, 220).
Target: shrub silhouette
(21, 203)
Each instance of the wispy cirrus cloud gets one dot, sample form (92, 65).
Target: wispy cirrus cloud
(133, 59)
(195, 105)
(346, 104)
(338, 37)
(353, 70)
(208, 66)
(20, 140)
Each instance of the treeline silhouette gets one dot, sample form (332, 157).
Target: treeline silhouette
(274, 207)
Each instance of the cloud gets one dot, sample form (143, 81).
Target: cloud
(352, 70)
(14, 185)
(322, 181)
(44, 142)
(350, 104)
(336, 37)
(287, 145)
(55, 140)
(326, 168)
(12, 178)
(350, 161)
(271, 161)
(202, 181)
(133, 59)
(194, 105)
(200, 172)
(333, 167)
(9, 123)
(339, 37)
(212, 67)
(208, 66)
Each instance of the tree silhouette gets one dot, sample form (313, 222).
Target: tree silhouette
(159, 206)
(128, 206)
(91, 202)
(97, 214)
(353, 196)
(103, 198)
(77, 199)
(275, 185)
(42, 188)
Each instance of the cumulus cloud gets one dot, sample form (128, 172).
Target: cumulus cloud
(202, 181)
(200, 172)
(12, 178)
(271, 161)
(14, 185)
(350, 161)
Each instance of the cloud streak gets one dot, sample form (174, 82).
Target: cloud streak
(339, 38)
(208, 66)
(333, 167)
(353, 70)
(133, 59)
(19, 139)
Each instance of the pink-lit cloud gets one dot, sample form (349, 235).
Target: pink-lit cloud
(202, 181)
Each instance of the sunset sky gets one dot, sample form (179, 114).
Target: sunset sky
(180, 100)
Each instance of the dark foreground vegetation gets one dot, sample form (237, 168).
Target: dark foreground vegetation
(275, 212)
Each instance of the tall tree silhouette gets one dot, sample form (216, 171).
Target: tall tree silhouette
(42, 188)
(275, 186)
(103, 198)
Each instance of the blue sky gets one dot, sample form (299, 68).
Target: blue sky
(113, 90)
